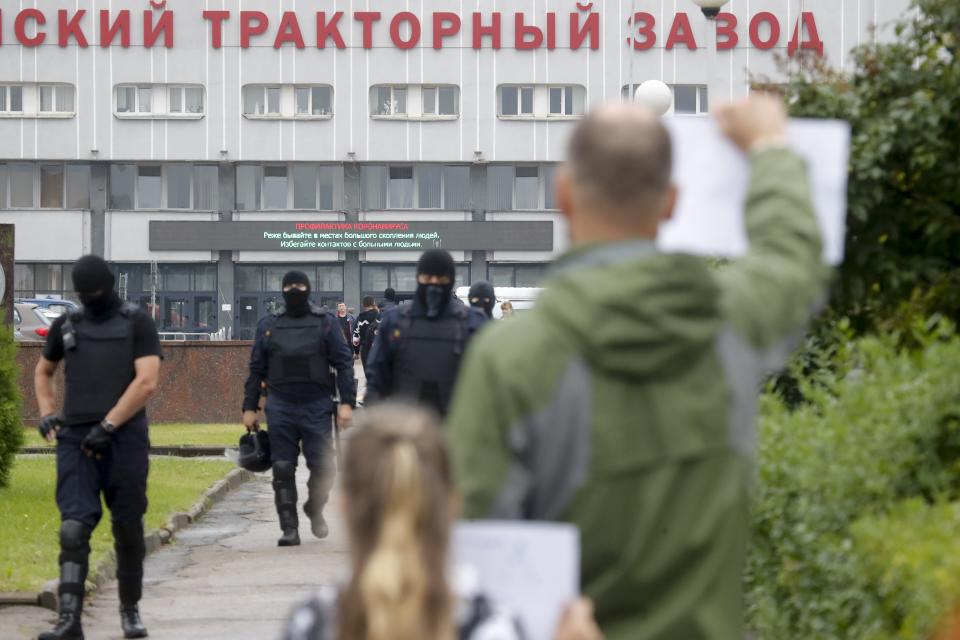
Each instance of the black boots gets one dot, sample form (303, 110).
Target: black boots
(318, 488)
(68, 625)
(285, 497)
(129, 545)
(74, 554)
(131, 623)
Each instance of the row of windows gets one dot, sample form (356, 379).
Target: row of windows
(395, 101)
(33, 280)
(301, 186)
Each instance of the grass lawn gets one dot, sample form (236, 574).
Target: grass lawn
(168, 435)
(30, 522)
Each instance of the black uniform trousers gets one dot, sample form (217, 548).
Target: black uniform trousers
(120, 475)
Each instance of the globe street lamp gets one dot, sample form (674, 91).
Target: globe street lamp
(654, 95)
(711, 9)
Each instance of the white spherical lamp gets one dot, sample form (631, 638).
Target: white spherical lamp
(654, 95)
(710, 8)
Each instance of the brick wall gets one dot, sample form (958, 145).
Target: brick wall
(200, 382)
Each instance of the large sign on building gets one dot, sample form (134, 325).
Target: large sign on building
(350, 236)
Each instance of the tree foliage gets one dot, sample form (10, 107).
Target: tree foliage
(11, 433)
(902, 99)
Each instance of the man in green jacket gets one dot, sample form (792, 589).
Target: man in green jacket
(639, 429)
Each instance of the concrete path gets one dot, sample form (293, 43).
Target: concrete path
(223, 579)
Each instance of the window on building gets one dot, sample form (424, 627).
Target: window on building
(149, 186)
(430, 186)
(123, 178)
(456, 182)
(516, 100)
(304, 186)
(3, 186)
(51, 186)
(56, 98)
(527, 185)
(275, 187)
(549, 196)
(400, 193)
(373, 187)
(21, 185)
(43, 280)
(11, 99)
(388, 101)
(185, 100)
(690, 99)
(314, 100)
(206, 187)
(261, 100)
(561, 101)
(516, 275)
(134, 99)
(500, 187)
(440, 100)
(78, 186)
(249, 180)
(179, 186)
(327, 176)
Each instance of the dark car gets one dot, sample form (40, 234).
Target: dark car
(52, 308)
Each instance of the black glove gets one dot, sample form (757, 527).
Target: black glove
(49, 423)
(97, 442)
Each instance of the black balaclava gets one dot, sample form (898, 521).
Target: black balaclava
(296, 301)
(483, 297)
(93, 282)
(436, 297)
(390, 294)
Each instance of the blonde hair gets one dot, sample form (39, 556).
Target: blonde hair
(398, 489)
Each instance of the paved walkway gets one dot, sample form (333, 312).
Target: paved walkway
(223, 579)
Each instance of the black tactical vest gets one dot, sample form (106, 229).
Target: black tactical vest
(427, 357)
(98, 357)
(297, 350)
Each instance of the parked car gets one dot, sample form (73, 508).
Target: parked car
(30, 323)
(53, 308)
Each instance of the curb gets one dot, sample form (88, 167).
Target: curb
(178, 452)
(47, 598)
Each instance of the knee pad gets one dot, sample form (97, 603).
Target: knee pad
(283, 470)
(74, 536)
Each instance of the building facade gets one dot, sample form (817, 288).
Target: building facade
(347, 116)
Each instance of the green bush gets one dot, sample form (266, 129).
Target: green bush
(912, 556)
(879, 428)
(902, 100)
(11, 434)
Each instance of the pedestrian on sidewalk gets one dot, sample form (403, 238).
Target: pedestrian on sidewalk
(367, 323)
(417, 352)
(389, 300)
(483, 297)
(399, 506)
(292, 355)
(111, 352)
(640, 429)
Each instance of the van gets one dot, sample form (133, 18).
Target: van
(522, 298)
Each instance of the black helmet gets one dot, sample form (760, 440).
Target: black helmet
(254, 451)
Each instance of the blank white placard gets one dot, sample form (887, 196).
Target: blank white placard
(713, 176)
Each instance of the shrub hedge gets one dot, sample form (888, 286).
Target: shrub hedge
(11, 434)
(844, 540)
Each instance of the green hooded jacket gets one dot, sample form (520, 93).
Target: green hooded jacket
(625, 403)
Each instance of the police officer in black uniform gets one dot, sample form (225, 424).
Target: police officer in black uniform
(482, 296)
(291, 360)
(112, 358)
(419, 345)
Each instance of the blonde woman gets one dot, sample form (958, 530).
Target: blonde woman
(399, 504)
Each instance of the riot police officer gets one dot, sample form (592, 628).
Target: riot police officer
(112, 363)
(483, 297)
(290, 361)
(419, 345)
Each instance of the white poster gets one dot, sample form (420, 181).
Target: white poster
(530, 568)
(713, 176)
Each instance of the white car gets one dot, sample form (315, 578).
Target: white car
(522, 298)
